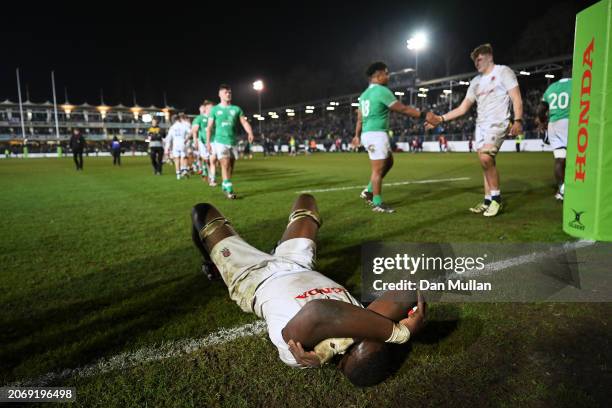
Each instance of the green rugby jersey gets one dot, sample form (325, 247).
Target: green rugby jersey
(558, 96)
(202, 122)
(374, 104)
(226, 118)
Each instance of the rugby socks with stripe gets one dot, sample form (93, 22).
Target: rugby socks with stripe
(377, 200)
(369, 188)
(227, 186)
(496, 196)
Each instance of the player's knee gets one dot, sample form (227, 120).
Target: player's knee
(306, 197)
(486, 160)
(201, 213)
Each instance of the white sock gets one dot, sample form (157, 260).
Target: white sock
(495, 193)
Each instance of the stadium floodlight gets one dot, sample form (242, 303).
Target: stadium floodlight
(398, 93)
(309, 111)
(549, 76)
(330, 108)
(290, 113)
(271, 113)
(147, 118)
(261, 118)
(447, 91)
(289, 110)
(423, 89)
(526, 73)
(464, 82)
(355, 104)
(310, 107)
(422, 95)
(258, 85)
(416, 43)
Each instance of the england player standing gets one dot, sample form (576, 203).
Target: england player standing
(554, 108)
(224, 117)
(492, 90)
(372, 127)
(198, 133)
(175, 144)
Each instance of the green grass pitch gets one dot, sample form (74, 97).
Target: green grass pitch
(100, 262)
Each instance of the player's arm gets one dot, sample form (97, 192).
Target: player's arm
(517, 105)
(459, 111)
(323, 318)
(194, 134)
(209, 127)
(406, 110)
(542, 115)
(358, 126)
(247, 128)
(168, 141)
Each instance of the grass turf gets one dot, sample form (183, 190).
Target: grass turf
(99, 262)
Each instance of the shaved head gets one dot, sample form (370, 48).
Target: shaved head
(370, 362)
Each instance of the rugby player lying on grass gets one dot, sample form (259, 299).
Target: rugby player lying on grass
(310, 318)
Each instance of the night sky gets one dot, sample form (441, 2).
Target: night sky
(301, 51)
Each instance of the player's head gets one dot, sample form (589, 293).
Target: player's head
(225, 93)
(174, 118)
(482, 57)
(154, 122)
(378, 73)
(205, 107)
(370, 362)
(182, 117)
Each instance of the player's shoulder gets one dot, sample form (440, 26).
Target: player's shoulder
(476, 78)
(380, 91)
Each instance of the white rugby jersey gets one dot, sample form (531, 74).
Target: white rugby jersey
(490, 92)
(177, 134)
(280, 298)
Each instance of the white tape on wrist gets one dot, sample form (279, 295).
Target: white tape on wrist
(328, 348)
(400, 334)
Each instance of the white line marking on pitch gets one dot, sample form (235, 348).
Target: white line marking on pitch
(400, 183)
(149, 354)
(186, 346)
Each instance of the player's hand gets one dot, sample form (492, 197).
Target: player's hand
(433, 119)
(305, 358)
(516, 129)
(416, 321)
(429, 126)
(356, 142)
(250, 138)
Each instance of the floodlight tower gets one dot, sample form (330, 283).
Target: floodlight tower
(416, 43)
(258, 86)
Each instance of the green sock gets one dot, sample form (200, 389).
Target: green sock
(377, 200)
(370, 187)
(227, 186)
